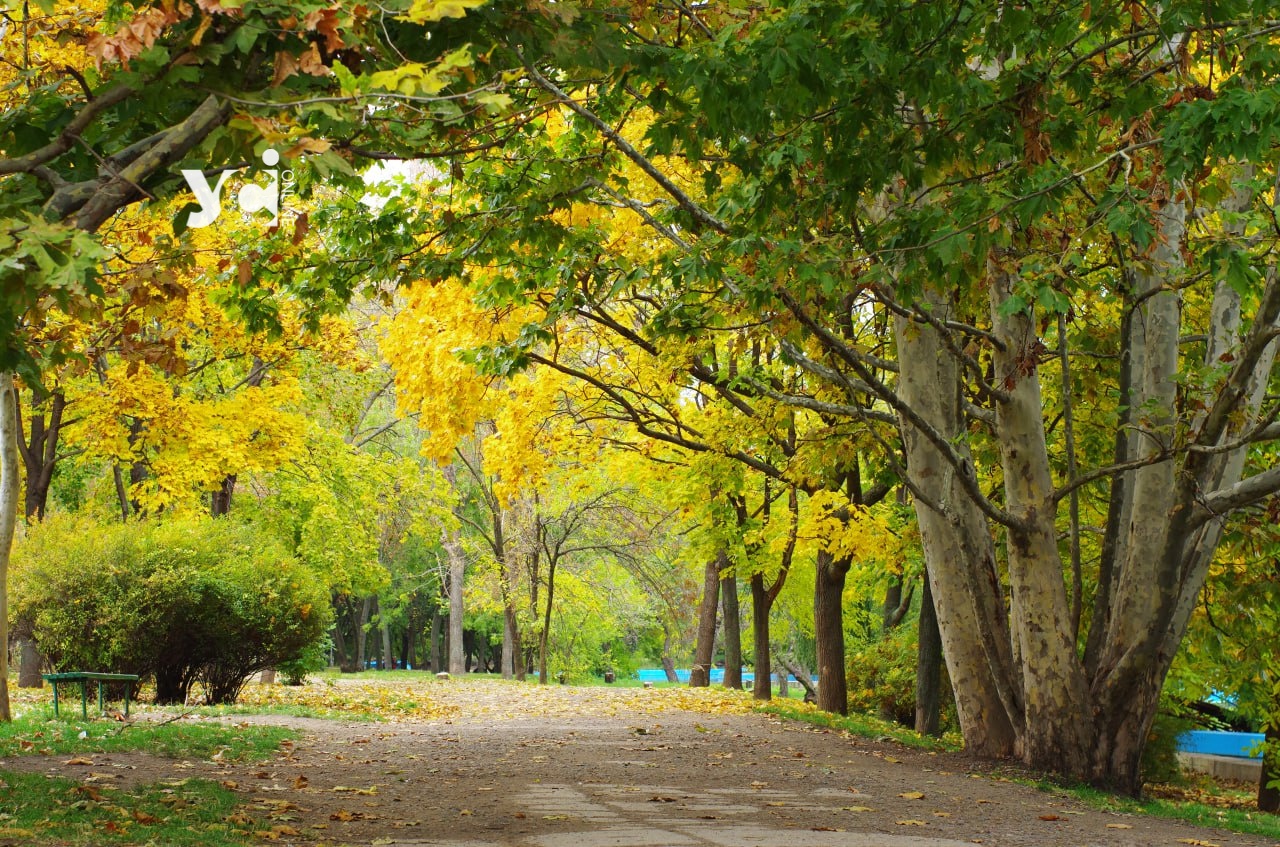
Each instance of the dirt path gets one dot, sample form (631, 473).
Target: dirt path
(558, 767)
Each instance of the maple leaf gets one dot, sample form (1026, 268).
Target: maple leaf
(432, 11)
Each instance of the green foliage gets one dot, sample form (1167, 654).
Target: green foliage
(866, 726)
(882, 678)
(182, 601)
(1160, 755)
(312, 659)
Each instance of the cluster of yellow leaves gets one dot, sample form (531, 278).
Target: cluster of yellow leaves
(190, 443)
(49, 44)
(863, 535)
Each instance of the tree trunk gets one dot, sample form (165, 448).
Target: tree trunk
(39, 450)
(30, 663)
(9, 494)
(784, 684)
(761, 689)
(543, 677)
(362, 634)
(668, 662)
(457, 570)
(828, 630)
(705, 651)
(928, 669)
(1269, 781)
(220, 500)
(959, 554)
(435, 646)
(268, 677)
(388, 658)
(732, 631)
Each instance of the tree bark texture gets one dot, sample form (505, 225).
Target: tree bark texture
(9, 493)
(704, 652)
(30, 664)
(732, 630)
(457, 570)
(761, 689)
(928, 668)
(828, 628)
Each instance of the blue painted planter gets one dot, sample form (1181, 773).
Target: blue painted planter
(1240, 745)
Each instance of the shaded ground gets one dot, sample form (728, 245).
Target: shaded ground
(592, 767)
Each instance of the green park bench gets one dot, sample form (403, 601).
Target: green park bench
(84, 678)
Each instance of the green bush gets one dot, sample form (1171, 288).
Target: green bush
(881, 678)
(180, 601)
(1160, 755)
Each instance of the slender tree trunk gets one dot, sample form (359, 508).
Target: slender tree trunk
(732, 631)
(457, 570)
(339, 637)
(828, 629)
(705, 651)
(668, 662)
(388, 658)
(928, 668)
(9, 494)
(761, 689)
(435, 647)
(543, 640)
(362, 634)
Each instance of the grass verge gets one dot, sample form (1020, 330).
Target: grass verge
(183, 813)
(38, 732)
(1236, 820)
(865, 726)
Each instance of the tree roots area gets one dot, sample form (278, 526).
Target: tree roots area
(511, 764)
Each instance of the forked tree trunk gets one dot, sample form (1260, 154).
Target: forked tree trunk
(732, 631)
(704, 652)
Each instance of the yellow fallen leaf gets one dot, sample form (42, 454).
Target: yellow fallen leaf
(1119, 826)
(1198, 843)
(856, 809)
(942, 814)
(912, 795)
(79, 760)
(910, 822)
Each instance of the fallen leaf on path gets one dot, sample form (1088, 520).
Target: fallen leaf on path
(912, 795)
(1052, 818)
(856, 809)
(910, 822)
(79, 760)
(1197, 842)
(1119, 826)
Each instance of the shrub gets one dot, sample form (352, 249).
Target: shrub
(181, 601)
(881, 678)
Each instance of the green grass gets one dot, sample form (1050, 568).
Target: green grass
(865, 726)
(1237, 820)
(186, 813)
(38, 732)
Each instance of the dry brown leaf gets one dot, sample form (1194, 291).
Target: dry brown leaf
(79, 760)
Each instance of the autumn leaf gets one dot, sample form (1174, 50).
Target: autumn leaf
(910, 822)
(912, 795)
(431, 11)
(79, 760)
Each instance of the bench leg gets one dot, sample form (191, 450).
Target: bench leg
(55, 698)
(127, 686)
(84, 699)
(99, 696)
